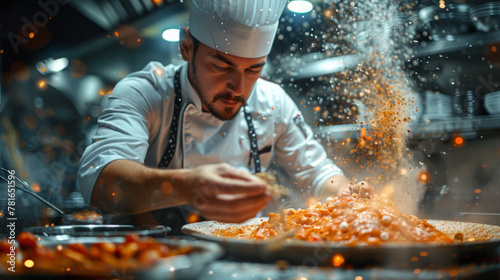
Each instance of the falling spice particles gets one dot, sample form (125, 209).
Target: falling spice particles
(376, 93)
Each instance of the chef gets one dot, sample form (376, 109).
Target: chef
(192, 136)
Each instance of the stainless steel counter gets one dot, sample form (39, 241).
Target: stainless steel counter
(236, 270)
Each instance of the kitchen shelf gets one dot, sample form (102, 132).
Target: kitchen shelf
(446, 128)
(459, 43)
(327, 66)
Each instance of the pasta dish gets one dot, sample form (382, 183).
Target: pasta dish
(350, 220)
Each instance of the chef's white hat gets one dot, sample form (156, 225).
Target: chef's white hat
(244, 28)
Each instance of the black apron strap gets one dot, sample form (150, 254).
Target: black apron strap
(174, 126)
(253, 140)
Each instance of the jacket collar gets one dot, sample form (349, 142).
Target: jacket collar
(188, 91)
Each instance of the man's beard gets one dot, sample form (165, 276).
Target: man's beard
(227, 113)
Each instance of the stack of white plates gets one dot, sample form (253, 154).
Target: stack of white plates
(492, 103)
(437, 105)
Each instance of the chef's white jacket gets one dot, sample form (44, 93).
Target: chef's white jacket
(136, 121)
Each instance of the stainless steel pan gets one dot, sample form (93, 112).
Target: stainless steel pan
(65, 232)
(389, 255)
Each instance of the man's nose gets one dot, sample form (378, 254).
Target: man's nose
(237, 83)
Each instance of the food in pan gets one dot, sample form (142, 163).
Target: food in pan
(272, 186)
(87, 216)
(87, 258)
(349, 220)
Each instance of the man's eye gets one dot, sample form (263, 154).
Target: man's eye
(221, 68)
(254, 70)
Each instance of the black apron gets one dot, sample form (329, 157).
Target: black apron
(176, 217)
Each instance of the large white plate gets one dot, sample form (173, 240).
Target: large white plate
(391, 254)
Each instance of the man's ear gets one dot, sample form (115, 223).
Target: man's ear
(186, 45)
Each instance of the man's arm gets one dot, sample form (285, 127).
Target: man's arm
(298, 152)
(128, 187)
(296, 144)
(218, 191)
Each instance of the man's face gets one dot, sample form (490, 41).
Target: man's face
(223, 82)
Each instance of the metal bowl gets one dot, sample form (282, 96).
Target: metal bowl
(184, 266)
(65, 232)
(486, 17)
(446, 23)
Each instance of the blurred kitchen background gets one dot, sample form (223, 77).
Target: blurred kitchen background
(60, 59)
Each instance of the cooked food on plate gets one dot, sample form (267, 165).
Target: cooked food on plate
(100, 256)
(87, 215)
(349, 220)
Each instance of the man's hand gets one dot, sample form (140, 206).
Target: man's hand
(223, 193)
(363, 189)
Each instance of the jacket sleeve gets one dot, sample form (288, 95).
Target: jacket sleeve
(122, 133)
(300, 155)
